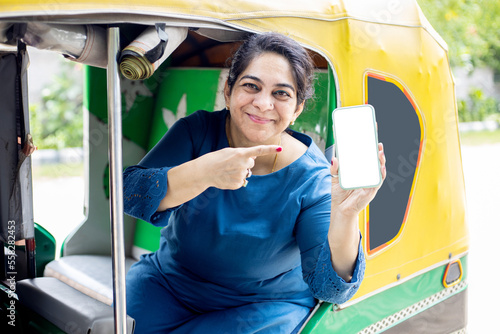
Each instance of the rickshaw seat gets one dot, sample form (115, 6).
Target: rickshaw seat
(67, 308)
(89, 274)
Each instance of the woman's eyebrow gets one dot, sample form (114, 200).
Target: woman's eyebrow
(286, 85)
(248, 76)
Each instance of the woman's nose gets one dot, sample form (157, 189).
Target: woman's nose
(263, 101)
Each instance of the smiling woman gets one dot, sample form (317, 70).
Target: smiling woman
(268, 83)
(252, 236)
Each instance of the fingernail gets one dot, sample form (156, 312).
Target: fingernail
(331, 162)
(279, 149)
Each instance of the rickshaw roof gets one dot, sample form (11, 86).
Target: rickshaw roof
(295, 17)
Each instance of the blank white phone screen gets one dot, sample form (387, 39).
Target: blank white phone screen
(356, 147)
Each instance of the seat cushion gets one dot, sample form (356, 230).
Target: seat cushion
(66, 308)
(89, 274)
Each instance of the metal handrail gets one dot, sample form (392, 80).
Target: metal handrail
(116, 181)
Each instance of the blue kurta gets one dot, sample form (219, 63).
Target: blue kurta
(229, 255)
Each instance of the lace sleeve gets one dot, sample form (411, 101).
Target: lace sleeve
(312, 227)
(143, 190)
(324, 282)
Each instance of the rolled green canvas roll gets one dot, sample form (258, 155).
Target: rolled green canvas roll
(135, 66)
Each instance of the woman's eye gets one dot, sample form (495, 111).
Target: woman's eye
(282, 93)
(250, 85)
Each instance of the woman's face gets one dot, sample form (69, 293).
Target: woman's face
(263, 101)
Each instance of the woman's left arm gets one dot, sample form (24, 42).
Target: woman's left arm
(343, 234)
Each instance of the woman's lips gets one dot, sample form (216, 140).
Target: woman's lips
(259, 120)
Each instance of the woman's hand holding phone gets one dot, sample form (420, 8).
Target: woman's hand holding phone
(359, 166)
(352, 201)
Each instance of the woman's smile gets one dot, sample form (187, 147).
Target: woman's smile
(259, 120)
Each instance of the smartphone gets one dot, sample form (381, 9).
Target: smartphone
(356, 146)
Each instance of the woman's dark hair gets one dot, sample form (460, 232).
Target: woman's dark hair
(300, 61)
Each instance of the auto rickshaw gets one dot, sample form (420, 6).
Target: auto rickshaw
(381, 52)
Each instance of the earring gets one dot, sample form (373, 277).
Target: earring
(227, 107)
(293, 122)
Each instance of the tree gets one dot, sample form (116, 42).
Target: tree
(470, 28)
(57, 122)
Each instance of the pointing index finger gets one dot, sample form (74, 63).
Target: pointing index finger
(259, 150)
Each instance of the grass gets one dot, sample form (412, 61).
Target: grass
(57, 170)
(474, 138)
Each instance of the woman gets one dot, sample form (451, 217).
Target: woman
(257, 228)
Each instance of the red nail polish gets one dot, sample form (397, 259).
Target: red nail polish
(279, 149)
(331, 162)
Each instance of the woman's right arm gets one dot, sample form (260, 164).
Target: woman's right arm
(184, 183)
(145, 184)
(223, 169)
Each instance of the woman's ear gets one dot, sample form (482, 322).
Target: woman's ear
(227, 94)
(300, 107)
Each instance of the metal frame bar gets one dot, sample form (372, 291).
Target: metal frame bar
(116, 181)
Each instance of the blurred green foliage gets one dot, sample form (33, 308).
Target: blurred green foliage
(478, 107)
(57, 120)
(471, 28)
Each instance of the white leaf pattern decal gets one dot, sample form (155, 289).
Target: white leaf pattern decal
(168, 116)
(132, 90)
